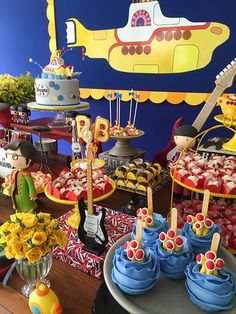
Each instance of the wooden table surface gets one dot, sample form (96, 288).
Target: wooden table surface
(75, 289)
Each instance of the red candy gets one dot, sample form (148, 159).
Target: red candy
(130, 254)
(139, 254)
(134, 244)
(210, 265)
(220, 263)
(210, 255)
(126, 245)
(171, 234)
(198, 225)
(208, 223)
(200, 217)
(170, 244)
(144, 211)
(189, 219)
(162, 236)
(149, 220)
(199, 258)
(179, 241)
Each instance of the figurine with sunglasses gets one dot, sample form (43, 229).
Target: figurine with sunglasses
(21, 154)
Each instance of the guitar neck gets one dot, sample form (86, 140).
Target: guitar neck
(208, 107)
(89, 187)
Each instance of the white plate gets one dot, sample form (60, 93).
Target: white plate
(166, 297)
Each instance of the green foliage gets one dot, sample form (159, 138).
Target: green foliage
(16, 90)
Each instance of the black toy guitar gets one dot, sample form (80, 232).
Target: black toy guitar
(91, 230)
(223, 80)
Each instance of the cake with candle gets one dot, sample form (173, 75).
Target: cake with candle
(135, 268)
(153, 224)
(210, 285)
(57, 88)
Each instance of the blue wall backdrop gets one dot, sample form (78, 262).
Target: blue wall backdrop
(24, 34)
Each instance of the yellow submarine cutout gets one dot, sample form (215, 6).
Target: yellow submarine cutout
(151, 42)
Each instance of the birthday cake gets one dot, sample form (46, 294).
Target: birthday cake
(57, 86)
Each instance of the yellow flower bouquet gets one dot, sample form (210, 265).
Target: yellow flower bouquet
(30, 236)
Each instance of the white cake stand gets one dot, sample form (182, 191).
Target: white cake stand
(167, 296)
(123, 146)
(60, 119)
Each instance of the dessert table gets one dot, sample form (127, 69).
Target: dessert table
(76, 290)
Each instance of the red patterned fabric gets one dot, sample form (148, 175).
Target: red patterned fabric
(117, 225)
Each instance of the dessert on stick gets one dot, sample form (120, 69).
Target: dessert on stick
(153, 223)
(135, 267)
(210, 285)
(173, 251)
(199, 229)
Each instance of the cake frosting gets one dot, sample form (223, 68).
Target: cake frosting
(200, 244)
(57, 86)
(150, 234)
(211, 293)
(173, 264)
(135, 277)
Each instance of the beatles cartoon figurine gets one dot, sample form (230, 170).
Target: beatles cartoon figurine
(14, 113)
(21, 154)
(70, 116)
(24, 114)
(183, 137)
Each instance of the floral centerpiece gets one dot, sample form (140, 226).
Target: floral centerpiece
(28, 238)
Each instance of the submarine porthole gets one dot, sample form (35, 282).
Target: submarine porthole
(147, 50)
(125, 50)
(177, 35)
(131, 50)
(187, 34)
(160, 36)
(168, 35)
(139, 50)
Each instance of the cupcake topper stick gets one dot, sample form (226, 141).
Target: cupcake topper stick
(215, 242)
(131, 94)
(110, 97)
(139, 228)
(205, 202)
(149, 201)
(136, 107)
(173, 219)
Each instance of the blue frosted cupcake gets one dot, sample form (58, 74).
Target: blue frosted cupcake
(135, 275)
(151, 231)
(174, 255)
(195, 232)
(210, 292)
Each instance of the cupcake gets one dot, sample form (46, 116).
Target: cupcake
(135, 270)
(174, 254)
(199, 231)
(210, 285)
(153, 225)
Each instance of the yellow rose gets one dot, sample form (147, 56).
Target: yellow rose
(60, 237)
(9, 252)
(53, 224)
(34, 255)
(16, 217)
(4, 227)
(14, 228)
(11, 238)
(3, 239)
(45, 217)
(45, 249)
(39, 238)
(20, 248)
(26, 234)
(29, 220)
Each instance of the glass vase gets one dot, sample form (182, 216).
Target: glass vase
(31, 273)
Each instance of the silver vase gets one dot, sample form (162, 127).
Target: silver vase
(31, 273)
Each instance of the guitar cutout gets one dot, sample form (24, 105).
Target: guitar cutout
(91, 231)
(223, 80)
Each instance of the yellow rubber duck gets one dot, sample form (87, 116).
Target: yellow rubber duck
(43, 300)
